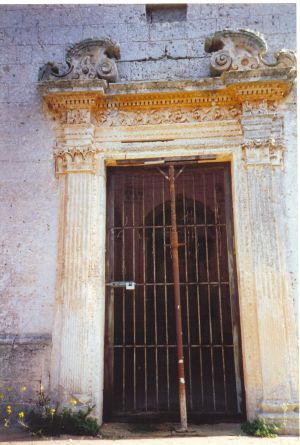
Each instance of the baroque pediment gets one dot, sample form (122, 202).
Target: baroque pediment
(89, 59)
(87, 92)
(243, 50)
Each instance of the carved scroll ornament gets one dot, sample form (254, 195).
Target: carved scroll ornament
(89, 59)
(242, 50)
(166, 116)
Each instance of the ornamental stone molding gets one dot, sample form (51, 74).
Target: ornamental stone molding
(235, 117)
(89, 59)
(263, 152)
(78, 116)
(75, 160)
(166, 116)
(242, 50)
(259, 108)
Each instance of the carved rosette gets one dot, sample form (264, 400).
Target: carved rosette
(75, 160)
(243, 50)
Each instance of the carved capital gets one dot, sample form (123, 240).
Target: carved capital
(89, 59)
(263, 152)
(259, 108)
(243, 50)
(75, 160)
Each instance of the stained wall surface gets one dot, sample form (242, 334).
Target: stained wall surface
(150, 50)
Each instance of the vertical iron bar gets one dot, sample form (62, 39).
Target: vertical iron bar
(123, 297)
(166, 296)
(133, 296)
(198, 298)
(175, 265)
(219, 286)
(208, 295)
(187, 294)
(145, 302)
(154, 293)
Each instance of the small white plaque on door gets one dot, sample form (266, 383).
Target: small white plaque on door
(130, 285)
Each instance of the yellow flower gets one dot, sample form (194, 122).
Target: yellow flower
(9, 388)
(1, 395)
(23, 388)
(21, 414)
(73, 402)
(52, 410)
(9, 409)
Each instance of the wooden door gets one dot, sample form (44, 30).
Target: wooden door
(140, 341)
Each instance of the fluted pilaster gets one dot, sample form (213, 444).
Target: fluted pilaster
(78, 334)
(275, 321)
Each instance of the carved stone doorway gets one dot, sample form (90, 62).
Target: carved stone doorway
(241, 115)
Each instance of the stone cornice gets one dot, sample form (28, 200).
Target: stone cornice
(232, 88)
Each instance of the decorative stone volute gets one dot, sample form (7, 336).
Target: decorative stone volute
(89, 59)
(242, 50)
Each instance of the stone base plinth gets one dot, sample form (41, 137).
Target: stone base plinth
(285, 414)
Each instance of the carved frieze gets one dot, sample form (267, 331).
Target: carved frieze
(89, 59)
(263, 152)
(243, 50)
(75, 160)
(166, 116)
(258, 108)
(78, 116)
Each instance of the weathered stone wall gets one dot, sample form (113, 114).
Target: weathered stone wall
(33, 35)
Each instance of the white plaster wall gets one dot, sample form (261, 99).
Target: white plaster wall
(33, 35)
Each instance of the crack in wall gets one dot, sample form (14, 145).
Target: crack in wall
(164, 57)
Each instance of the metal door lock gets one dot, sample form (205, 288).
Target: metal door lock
(129, 285)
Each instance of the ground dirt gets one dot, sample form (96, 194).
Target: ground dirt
(153, 434)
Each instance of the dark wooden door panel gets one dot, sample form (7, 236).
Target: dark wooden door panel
(140, 350)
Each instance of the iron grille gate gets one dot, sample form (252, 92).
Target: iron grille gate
(140, 337)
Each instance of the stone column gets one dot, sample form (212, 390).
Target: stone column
(78, 333)
(263, 155)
